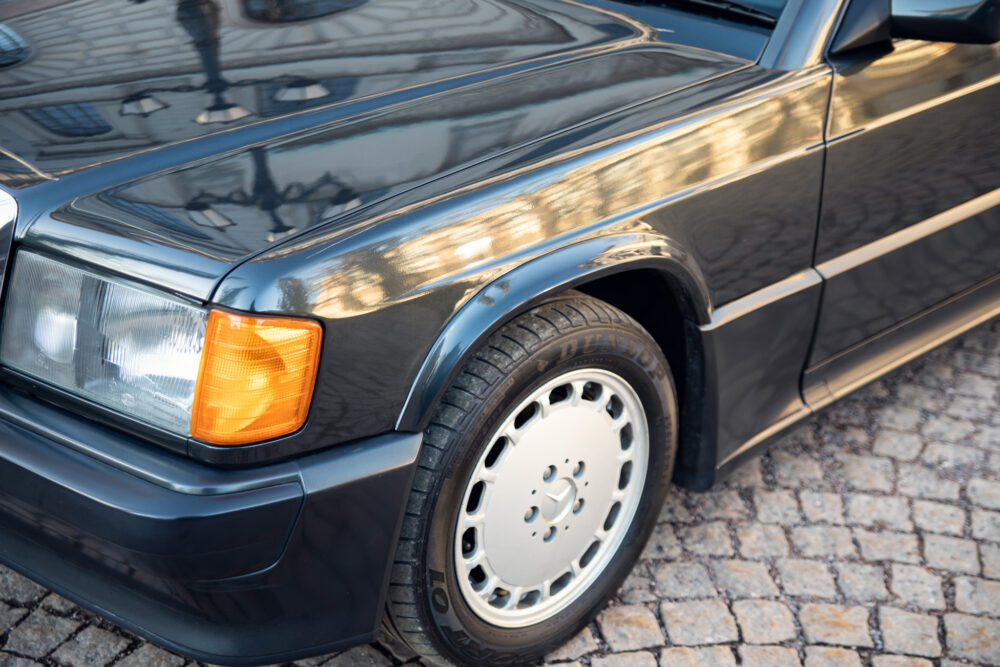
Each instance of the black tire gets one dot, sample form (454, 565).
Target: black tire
(425, 607)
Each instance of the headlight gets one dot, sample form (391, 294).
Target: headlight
(223, 377)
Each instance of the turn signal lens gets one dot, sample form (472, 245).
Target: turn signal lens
(256, 378)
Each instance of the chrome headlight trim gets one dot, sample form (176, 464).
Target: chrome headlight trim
(8, 214)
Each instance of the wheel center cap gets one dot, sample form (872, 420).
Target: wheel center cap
(558, 499)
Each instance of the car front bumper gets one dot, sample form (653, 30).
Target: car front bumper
(239, 566)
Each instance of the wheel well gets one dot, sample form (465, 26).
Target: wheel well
(651, 299)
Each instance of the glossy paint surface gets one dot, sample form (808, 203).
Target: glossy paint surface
(385, 211)
(181, 216)
(676, 182)
(911, 139)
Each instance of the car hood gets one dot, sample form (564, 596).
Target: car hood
(169, 141)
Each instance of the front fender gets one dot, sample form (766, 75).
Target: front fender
(534, 281)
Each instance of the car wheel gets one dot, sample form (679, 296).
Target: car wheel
(540, 479)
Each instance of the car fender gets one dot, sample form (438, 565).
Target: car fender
(534, 281)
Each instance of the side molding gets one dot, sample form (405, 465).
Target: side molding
(532, 282)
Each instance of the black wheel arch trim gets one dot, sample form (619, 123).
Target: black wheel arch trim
(533, 282)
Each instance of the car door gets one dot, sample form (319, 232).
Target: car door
(910, 215)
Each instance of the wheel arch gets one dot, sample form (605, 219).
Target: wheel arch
(613, 269)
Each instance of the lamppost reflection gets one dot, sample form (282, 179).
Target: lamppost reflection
(268, 197)
(200, 18)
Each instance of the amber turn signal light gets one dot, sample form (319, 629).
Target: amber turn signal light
(256, 377)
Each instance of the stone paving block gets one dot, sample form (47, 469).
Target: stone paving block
(948, 429)
(900, 661)
(974, 384)
(637, 588)
(977, 596)
(683, 580)
(822, 507)
(373, 657)
(900, 446)
(40, 633)
(916, 585)
(851, 411)
(899, 417)
(832, 541)
(828, 656)
(776, 507)
(147, 655)
(917, 481)
(359, 656)
(942, 455)
(674, 510)
(11, 660)
(905, 632)
(711, 656)
(697, 623)
(935, 517)
(900, 547)
(580, 645)
(19, 589)
(879, 511)
(985, 493)
(635, 659)
(762, 540)
(748, 475)
(663, 543)
(10, 615)
(865, 473)
(768, 656)
(92, 646)
(835, 624)
(722, 504)
(951, 553)
(990, 555)
(806, 578)
(58, 603)
(742, 578)
(795, 469)
(709, 539)
(973, 637)
(973, 408)
(986, 525)
(921, 398)
(764, 622)
(862, 582)
(987, 437)
(629, 628)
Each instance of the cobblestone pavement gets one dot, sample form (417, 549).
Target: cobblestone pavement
(870, 535)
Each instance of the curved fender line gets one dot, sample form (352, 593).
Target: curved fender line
(528, 284)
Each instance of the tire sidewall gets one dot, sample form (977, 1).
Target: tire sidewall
(462, 635)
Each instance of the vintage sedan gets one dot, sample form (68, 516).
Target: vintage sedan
(330, 320)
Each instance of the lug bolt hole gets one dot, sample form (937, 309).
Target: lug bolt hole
(579, 468)
(578, 506)
(531, 514)
(549, 474)
(549, 534)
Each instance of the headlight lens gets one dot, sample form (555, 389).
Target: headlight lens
(223, 377)
(116, 345)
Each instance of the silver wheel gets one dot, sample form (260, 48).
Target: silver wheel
(551, 498)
